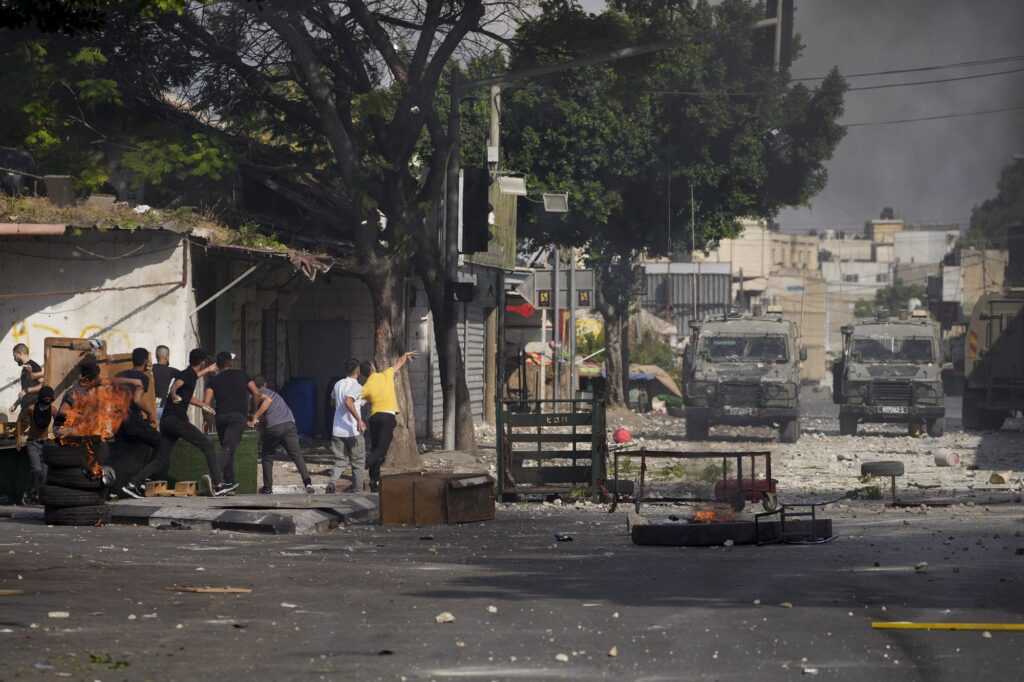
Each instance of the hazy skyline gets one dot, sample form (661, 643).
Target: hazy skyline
(929, 171)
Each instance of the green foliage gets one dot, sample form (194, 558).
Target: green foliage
(891, 299)
(157, 161)
(254, 236)
(653, 351)
(588, 344)
(990, 219)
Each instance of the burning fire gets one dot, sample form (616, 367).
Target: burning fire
(704, 517)
(95, 417)
(97, 413)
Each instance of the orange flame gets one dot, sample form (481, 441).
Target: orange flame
(97, 413)
(704, 517)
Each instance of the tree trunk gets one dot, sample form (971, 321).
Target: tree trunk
(444, 331)
(386, 282)
(613, 355)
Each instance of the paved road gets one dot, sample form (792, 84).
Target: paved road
(361, 603)
(817, 403)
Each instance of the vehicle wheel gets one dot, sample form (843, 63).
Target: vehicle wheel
(73, 478)
(789, 432)
(936, 427)
(739, 502)
(881, 469)
(56, 496)
(847, 425)
(770, 502)
(77, 516)
(914, 429)
(970, 412)
(64, 456)
(992, 421)
(697, 429)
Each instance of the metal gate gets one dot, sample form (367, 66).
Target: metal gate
(549, 447)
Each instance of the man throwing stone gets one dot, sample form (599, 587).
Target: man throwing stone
(278, 429)
(379, 392)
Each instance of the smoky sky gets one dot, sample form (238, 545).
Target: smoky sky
(928, 171)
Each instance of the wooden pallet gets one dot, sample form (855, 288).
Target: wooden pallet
(181, 489)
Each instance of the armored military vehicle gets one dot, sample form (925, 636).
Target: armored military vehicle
(994, 349)
(743, 371)
(891, 371)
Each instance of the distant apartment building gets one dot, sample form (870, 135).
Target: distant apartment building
(803, 297)
(757, 252)
(883, 231)
(924, 246)
(835, 248)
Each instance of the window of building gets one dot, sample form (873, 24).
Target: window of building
(851, 278)
(882, 277)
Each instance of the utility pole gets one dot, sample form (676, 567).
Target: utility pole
(572, 322)
(556, 330)
(453, 216)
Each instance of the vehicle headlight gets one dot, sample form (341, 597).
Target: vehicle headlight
(926, 393)
(856, 392)
(779, 391)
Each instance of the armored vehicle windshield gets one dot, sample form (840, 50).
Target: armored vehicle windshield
(743, 348)
(892, 349)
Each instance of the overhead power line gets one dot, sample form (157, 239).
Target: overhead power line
(934, 67)
(933, 118)
(936, 80)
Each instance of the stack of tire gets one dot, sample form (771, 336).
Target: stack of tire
(70, 497)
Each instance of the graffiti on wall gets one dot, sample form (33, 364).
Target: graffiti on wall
(116, 339)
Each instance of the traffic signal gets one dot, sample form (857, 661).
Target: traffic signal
(476, 209)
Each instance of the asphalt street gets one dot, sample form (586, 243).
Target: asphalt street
(361, 603)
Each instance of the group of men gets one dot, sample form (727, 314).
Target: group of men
(233, 399)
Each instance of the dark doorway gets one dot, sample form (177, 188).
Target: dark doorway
(324, 346)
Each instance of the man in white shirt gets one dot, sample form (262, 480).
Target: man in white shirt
(347, 435)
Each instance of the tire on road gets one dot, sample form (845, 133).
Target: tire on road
(881, 469)
(56, 496)
(64, 456)
(696, 428)
(789, 431)
(77, 516)
(936, 427)
(76, 478)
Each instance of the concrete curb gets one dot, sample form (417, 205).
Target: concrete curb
(306, 516)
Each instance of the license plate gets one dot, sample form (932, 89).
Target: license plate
(892, 409)
(740, 411)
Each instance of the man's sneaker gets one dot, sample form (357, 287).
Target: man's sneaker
(133, 490)
(310, 490)
(265, 491)
(224, 489)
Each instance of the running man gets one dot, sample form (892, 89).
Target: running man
(175, 425)
(31, 377)
(230, 389)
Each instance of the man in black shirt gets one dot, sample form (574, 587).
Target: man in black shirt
(175, 425)
(31, 377)
(231, 389)
(140, 425)
(163, 374)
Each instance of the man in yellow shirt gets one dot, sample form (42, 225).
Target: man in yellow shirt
(379, 393)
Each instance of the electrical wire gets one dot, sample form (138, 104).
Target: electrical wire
(933, 118)
(974, 76)
(918, 69)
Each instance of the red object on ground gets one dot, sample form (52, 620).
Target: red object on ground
(622, 435)
(753, 489)
(523, 309)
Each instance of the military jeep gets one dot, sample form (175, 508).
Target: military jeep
(743, 371)
(890, 371)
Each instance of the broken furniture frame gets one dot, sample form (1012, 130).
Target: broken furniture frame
(763, 490)
(522, 421)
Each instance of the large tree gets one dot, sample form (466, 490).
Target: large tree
(330, 106)
(631, 141)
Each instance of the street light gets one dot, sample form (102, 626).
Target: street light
(556, 202)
